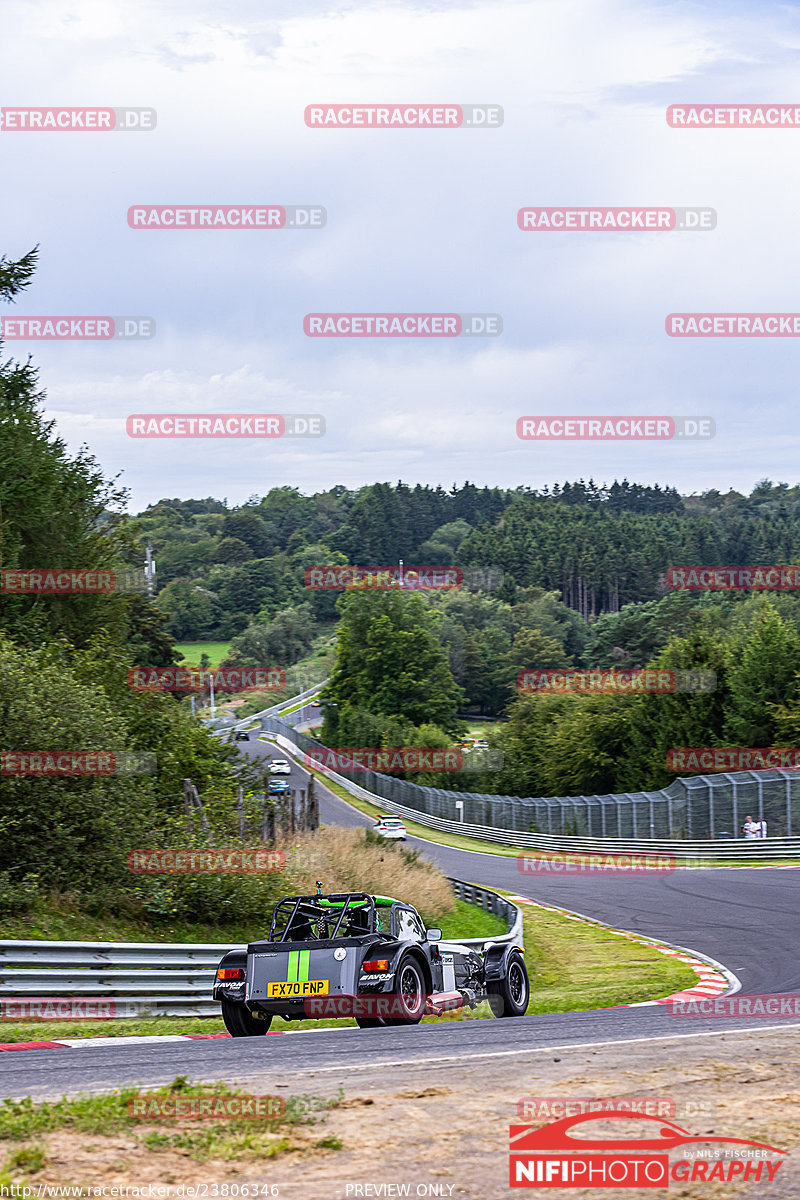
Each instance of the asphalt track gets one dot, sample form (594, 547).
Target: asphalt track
(745, 919)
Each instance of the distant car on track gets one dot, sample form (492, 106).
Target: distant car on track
(351, 954)
(278, 787)
(242, 735)
(390, 827)
(279, 766)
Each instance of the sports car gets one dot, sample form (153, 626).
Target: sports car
(351, 954)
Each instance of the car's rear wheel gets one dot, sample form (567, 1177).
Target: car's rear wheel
(509, 996)
(409, 996)
(240, 1022)
(369, 1022)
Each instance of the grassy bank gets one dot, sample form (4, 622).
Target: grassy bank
(46, 1142)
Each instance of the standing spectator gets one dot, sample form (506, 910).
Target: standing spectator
(751, 828)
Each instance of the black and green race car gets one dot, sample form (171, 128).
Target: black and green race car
(350, 954)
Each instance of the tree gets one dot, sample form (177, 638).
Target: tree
(192, 612)
(64, 828)
(762, 673)
(389, 660)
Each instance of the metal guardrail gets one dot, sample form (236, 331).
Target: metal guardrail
(277, 709)
(491, 902)
(735, 848)
(140, 979)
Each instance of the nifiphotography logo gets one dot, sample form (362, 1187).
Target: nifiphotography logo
(552, 1156)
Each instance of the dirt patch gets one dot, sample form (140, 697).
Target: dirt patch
(442, 1130)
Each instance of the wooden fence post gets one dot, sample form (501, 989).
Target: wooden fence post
(240, 811)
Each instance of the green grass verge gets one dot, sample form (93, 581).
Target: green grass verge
(200, 1139)
(192, 651)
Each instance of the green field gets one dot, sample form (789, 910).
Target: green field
(192, 651)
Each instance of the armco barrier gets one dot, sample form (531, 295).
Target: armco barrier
(155, 979)
(734, 848)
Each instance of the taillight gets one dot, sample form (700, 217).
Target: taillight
(228, 974)
(375, 964)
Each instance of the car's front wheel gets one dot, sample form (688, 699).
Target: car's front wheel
(240, 1022)
(509, 996)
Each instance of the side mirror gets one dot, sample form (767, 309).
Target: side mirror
(433, 935)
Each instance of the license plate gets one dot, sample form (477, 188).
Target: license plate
(306, 987)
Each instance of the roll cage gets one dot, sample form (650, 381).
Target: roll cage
(338, 914)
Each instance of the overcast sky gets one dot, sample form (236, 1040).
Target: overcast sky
(417, 221)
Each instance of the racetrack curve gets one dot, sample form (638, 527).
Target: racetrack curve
(745, 919)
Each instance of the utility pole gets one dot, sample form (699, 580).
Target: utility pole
(150, 570)
(401, 572)
(211, 685)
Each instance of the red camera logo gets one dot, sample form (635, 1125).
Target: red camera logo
(551, 1156)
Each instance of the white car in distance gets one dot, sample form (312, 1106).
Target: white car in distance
(279, 766)
(390, 827)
